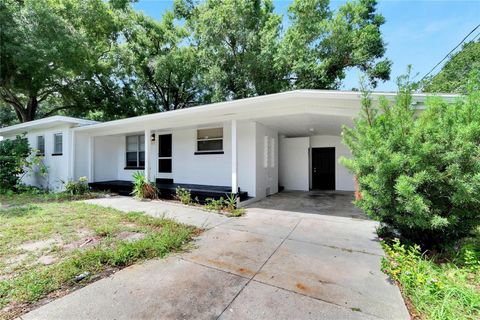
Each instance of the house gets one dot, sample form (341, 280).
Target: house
(289, 140)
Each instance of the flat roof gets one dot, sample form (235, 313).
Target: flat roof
(254, 106)
(44, 123)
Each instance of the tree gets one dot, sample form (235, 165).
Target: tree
(237, 43)
(453, 77)
(48, 48)
(245, 54)
(419, 173)
(167, 71)
(320, 45)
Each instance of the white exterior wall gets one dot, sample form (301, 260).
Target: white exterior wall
(294, 163)
(105, 157)
(246, 146)
(58, 166)
(343, 178)
(208, 169)
(187, 167)
(266, 175)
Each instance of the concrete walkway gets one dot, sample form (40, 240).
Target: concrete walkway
(270, 264)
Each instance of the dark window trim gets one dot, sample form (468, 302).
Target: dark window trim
(55, 144)
(134, 168)
(138, 136)
(40, 154)
(208, 152)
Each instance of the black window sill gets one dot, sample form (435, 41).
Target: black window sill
(40, 154)
(208, 152)
(134, 168)
(57, 154)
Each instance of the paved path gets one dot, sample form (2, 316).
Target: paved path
(270, 264)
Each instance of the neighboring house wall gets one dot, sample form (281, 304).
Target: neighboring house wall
(294, 163)
(58, 166)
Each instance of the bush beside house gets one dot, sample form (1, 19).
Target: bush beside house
(419, 172)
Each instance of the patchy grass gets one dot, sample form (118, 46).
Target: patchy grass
(443, 286)
(44, 247)
(25, 198)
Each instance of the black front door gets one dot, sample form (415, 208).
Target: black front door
(323, 168)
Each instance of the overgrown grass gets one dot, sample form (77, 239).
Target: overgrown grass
(77, 238)
(443, 286)
(25, 198)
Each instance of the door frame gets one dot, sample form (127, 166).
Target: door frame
(310, 165)
(162, 175)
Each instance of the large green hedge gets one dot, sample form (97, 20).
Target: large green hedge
(419, 172)
(13, 155)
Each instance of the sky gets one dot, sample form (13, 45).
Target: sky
(417, 32)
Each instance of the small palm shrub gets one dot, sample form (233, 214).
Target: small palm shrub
(419, 172)
(183, 195)
(142, 188)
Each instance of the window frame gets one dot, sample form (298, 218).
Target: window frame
(41, 152)
(55, 151)
(216, 151)
(138, 152)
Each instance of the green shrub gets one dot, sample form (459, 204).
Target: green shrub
(13, 155)
(142, 188)
(183, 195)
(214, 204)
(438, 291)
(419, 172)
(79, 187)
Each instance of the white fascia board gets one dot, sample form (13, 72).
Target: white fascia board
(292, 102)
(44, 123)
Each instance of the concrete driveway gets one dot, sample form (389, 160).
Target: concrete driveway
(280, 261)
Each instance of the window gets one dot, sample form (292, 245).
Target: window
(41, 145)
(210, 140)
(57, 144)
(135, 151)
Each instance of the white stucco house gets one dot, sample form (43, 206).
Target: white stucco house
(289, 140)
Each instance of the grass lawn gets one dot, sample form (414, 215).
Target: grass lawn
(47, 249)
(442, 286)
(29, 197)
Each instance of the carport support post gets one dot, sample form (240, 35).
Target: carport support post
(148, 132)
(234, 157)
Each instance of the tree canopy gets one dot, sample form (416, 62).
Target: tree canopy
(454, 75)
(104, 60)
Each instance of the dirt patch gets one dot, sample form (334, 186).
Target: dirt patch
(130, 236)
(47, 259)
(83, 243)
(40, 244)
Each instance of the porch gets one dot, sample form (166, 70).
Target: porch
(252, 147)
(167, 189)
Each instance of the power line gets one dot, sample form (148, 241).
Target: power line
(448, 54)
